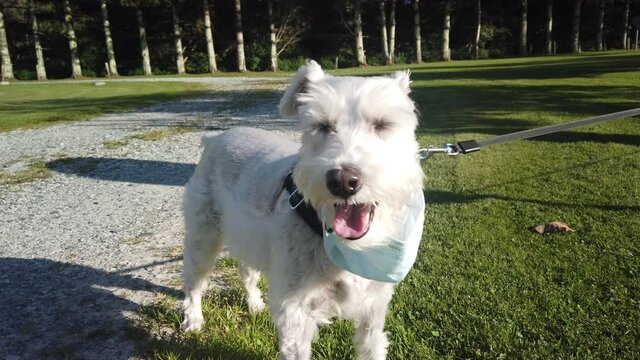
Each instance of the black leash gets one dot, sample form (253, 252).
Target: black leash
(469, 146)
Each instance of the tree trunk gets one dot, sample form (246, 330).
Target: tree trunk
(113, 68)
(549, 28)
(476, 40)
(242, 66)
(600, 33)
(7, 66)
(177, 35)
(416, 30)
(272, 37)
(144, 47)
(213, 67)
(76, 69)
(575, 26)
(392, 32)
(41, 71)
(357, 20)
(383, 31)
(625, 22)
(446, 27)
(522, 43)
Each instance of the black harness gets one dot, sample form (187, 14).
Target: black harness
(304, 210)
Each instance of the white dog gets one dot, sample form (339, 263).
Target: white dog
(356, 166)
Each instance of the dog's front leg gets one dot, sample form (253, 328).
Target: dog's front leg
(370, 339)
(296, 330)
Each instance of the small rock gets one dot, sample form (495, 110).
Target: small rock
(99, 83)
(4, 83)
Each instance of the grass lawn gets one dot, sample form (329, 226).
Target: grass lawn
(484, 285)
(32, 105)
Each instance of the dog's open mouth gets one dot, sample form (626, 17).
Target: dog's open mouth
(352, 222)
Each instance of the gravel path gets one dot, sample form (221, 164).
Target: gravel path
(81, 250)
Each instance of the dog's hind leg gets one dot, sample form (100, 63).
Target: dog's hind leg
(202, 244)
(250, 278)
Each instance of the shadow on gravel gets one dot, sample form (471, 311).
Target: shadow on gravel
(52, 309)
(125, 170)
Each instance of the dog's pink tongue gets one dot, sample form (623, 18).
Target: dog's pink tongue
(351, 221)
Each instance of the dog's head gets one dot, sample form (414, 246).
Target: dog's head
(358, 161)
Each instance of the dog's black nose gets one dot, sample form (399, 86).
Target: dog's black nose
(344, 182)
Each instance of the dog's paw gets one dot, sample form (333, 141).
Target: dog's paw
(255, 305)
(192, 323)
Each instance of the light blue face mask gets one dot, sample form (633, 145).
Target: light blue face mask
(388, 263)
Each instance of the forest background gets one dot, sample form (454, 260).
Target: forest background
(96, 38)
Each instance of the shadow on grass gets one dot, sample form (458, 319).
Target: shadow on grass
(537, 68)
(53, 309)
(501, 109)
(435, 196)
(569, 137)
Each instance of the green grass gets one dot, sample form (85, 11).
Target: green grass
(485, 286)
(156, 135)
(114, 144)
(35, 170)
(33, 105)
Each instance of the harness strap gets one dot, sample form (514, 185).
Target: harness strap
(304, 210)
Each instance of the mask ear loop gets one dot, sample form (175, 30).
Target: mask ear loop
(322, 217)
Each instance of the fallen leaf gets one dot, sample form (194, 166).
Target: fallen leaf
(552, 227)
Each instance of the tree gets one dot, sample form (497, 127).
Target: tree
(177, 36)
(357, 22)
(388, 43)
(416, 30)
(392, 32)
(446, 27)
(242, 66)
(383, 31)
(476, 40)
(144, 46)
(272, 37)
(522, 40)
(211, 52)
(575, 26)
(41, 72)
(625, 23)
(287, 23)
(600, 25)
(7, 66)
(549, 28)
(113, 68)
(76, 68)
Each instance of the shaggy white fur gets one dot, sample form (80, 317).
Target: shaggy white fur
(236, 200)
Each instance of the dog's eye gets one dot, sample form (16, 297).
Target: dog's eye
(381, 125)
(325, 128)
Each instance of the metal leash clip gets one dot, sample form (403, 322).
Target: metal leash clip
(447, 149)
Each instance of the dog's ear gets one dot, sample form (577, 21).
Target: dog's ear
(308, 73)
(402, 77)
